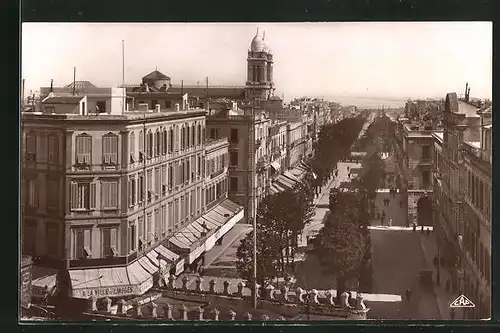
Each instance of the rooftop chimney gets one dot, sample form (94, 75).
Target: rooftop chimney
(468, 94)
(51, 85)
(466, 87)
(158, 108)
(177, 106)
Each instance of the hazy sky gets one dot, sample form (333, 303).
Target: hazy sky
(395, 60)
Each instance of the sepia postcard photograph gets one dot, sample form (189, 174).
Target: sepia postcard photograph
(284, 172)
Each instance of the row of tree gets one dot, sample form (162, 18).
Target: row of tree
(343, 244)
(280, 219)
(334, 143)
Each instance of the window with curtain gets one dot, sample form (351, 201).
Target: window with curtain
(110, 149)
(109, 242)
(83, 149)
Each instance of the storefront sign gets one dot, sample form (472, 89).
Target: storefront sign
(114, 291)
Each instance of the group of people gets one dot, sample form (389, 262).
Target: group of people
(427, 230)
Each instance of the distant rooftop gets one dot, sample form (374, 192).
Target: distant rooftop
(467, 109)
(156, 75)
(63, 100)
(80, 85)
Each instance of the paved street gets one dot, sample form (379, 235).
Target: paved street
(397, 259)
(394, 211)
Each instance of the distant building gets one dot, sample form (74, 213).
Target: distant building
(112, 200)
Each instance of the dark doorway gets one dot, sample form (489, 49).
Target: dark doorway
(424, 211)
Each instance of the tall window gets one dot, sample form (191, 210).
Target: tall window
(141, 145)
(171, 143)
(83, 195)
(30, 148)
(131, 191)
(157, 145)
(109, 194)
(193, 135)
(170, 183)
(426, 178)
(149, 183)
(183, 138)
(31, 193)
(109, 242)
(234, 135)
(157, 181)
(233, 184)
(110, 149)
(188, 136)
(165, 143)
(83, 149)
(164, 179)
(140, 187)
(163, 219)
(141, 231)
(199, 134)
(233, 158)
(426, 152)
(42, 148)
(170, 220)
(131, 239)
(149, 227)
(29, 239)
(157, 223)
(53, 149)
(52, 194)
(176, 213)
(82, 243)
(149, 144)
(132, 146)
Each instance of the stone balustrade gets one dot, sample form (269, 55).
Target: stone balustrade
(283, 301)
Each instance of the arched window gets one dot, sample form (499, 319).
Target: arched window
(164, 139)
(183, 130)
(171, 145)
(150, 144)
(176, 138)
(199, 134)
(84, 149)
(157, 143)
(192, 135)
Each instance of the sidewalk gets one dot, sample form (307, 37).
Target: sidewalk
(443, 297)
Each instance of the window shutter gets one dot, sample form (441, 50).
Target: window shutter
(114, 149)
(74, 195)
(114, 240)
(92, 196)
(80, 243)
(114, 194)
(87, 239)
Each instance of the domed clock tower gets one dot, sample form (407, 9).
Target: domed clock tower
(259, 83)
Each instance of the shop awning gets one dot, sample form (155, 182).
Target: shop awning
(276, 165)
(292, 177)
(42, 277)
(285, 182)
(110, 281)
(201, 235)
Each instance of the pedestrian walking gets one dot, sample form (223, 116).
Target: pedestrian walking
(422, 229)
(408, 294)
(382, 217)
(414, 227)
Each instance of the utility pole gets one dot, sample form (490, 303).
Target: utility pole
(123, 76)
(252, 174)
(74, 80)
